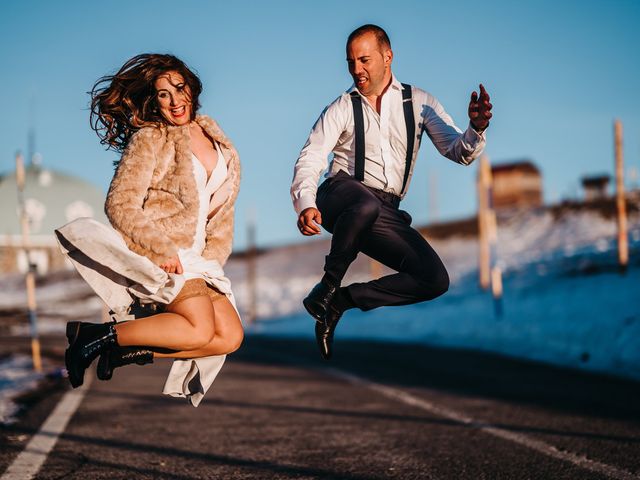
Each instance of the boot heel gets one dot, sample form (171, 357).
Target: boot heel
(72, 331)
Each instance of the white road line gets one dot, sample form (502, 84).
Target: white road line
(27, 464)
(524, 440)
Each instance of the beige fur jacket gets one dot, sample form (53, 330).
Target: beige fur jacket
(153, 202)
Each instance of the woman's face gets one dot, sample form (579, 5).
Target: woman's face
(174, 98)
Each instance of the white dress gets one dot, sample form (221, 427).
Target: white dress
(191, 258)
(118, 275)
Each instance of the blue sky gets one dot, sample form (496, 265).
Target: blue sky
(558, 72)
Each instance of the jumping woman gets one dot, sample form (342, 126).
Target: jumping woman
(171, 207)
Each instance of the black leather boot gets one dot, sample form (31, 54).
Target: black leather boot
(318, 300)
(325, 330)
(86, 342)
(117, 356)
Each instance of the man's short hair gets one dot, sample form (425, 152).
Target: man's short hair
(381, 35)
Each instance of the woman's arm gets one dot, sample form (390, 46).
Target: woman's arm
(127, 194)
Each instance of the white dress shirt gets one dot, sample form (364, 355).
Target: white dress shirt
(385, 142)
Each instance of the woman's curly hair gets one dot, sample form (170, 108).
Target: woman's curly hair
(123, 103)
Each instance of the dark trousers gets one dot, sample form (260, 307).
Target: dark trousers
(365, 220)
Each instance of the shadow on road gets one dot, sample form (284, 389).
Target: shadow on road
(478, 374)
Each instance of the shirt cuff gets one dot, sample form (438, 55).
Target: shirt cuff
(472, 137)
(303, 203)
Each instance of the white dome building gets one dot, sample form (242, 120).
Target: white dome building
(51, 200)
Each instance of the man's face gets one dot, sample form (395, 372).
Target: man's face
(369, 64)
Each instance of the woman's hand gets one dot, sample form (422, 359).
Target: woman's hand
(172, 265)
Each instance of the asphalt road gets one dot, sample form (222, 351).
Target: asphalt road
(376, 411)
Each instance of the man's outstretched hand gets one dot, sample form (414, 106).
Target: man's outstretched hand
(309, 220)
(480, 110)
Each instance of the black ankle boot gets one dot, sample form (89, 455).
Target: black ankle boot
(326, 329)
(117, 356)
(86, 342)
(319, 299)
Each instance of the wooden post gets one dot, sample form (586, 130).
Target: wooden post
(252, 255)
(483, 238)
(623, 241)
(492, 234)
(496, 289)
(30, 277)
(490, 274)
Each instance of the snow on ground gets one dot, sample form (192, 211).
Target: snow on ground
(565, 301)
(528, 239)
(16, 376)
(590, 322)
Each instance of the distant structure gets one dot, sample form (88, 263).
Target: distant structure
(516, 185)
(52, 199)
(595, 187)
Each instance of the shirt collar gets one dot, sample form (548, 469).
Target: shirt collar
(395, 83)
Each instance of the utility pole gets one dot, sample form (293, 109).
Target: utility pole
(623, 241)
(483, 233)
(30, 276)
(490, 271)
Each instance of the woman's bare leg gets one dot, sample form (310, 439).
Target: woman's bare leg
(187, 325)
(227, 338)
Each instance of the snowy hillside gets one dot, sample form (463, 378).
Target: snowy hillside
(529, 240)
(565, 301)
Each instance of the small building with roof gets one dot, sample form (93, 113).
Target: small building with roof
(595, 187)
(51, 199)
(516, 185)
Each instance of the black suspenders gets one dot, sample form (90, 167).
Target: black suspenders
(410, 122)
(358, 123)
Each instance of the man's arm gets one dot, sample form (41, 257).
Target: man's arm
(311, 162)
(451, 142)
